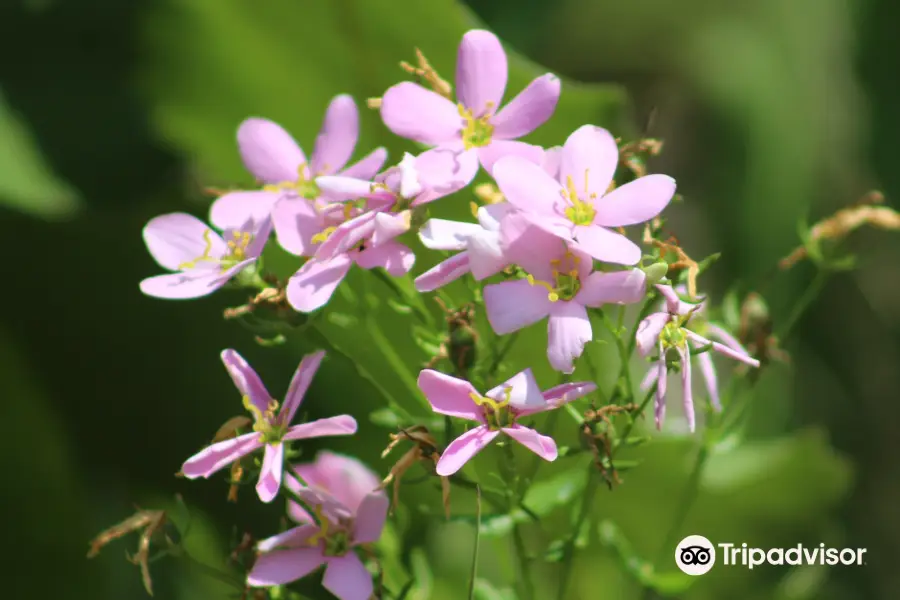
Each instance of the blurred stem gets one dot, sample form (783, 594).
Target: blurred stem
(806, 299)
(201, 567)
(474, 570)
(624, 353)
(510, 474)
(587, 500)
(499, 356)
(414, 300)
(691, 490)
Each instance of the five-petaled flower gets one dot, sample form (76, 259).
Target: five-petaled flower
(560, 284)
(666, 332)
(496, 412)
(203, 260)
(345, 515)
(275, 159)
(473, 128)
(576, 204)
(272, 426)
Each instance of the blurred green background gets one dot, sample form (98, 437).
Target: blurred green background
(114, 112)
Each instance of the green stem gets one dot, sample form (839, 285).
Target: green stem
(691, 490)
(510, 474)
(206, 569)
(624, 354)
(806, 299)
(643, 406)
(414, 301)
(587, 500)
(524, 567)
(474, 570)
(397, 363)
(500, 355)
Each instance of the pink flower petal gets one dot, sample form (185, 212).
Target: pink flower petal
(701, 341)
(178, 238)
(552, 161)
(708, 370)
(441, 234)
(343, 186)
(234, 209)
(590, 156)
(661, 382)
(444, 170)
(512, 305)
(635, 202)
(498, 149)
(541, 445)
(449, 395)
(393, 257)
(463, 449)
(296, 222)
(339, 425)
(246, 379)
(726, 338)
(525, 243)
(560, 395)
(618, 287)
(486, 256)
(528, 110)
(649, 378)
(568, 330)
(481, 72)
(311, 287)
(303, 376)
(370, 517)
(687, 395)
(346, 478)
(295, 512)
(607, 245)
(337, 139)
(524, 392)
(389, 225)
(674, 304)
(195, 283)
(296, 537)
(347, 236)
(269, 152)
(443, 273)
(368, 166)
(412, 112)
(648, 332)
(284, 566)
(220, 455)
(347, 578)
(270, 476)
(528, 187)
(491, 216)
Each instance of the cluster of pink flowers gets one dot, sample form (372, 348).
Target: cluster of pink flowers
(555, 248)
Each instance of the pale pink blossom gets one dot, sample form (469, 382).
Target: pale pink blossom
(575, 205)
(559, 286)
(272, 426)
(473, 128)
(202, 259)
(346, 510)
(496, 412)
(667, 332)
(275, 159)
(478, 246)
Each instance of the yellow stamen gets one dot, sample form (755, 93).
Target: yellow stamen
(580, 212)
(495, 405)
(323, 235)
(205, 257)
(477, 132)
(551, 293)
(324, 524)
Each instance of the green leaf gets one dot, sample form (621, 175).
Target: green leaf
(27, 183)
(667, 583)
(542, 498)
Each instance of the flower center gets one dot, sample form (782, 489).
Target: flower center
(237, 251)
(580, 212)
(266, 422)
(566, 281)
(672, 335)
(476, 132)
(497, 414)
(303, 187)
(326, 233)
(334, 542)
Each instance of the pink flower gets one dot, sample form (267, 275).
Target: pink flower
(473, 128)
(666, 332)
(479, 245)
(496, 411)
(348, 512)
(338, 483)
(202, 259)
(276, 160)
(271, 428)
(575, 205)
(560, 284)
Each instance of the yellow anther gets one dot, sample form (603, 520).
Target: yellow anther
(348, 211)
(493, 404)
(474, 208)
(552, 295)
(324, 524)
(258, 415)
(477, 132)
(205, 257)
(323, 235)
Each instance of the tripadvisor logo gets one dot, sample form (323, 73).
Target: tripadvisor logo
(696, 555)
